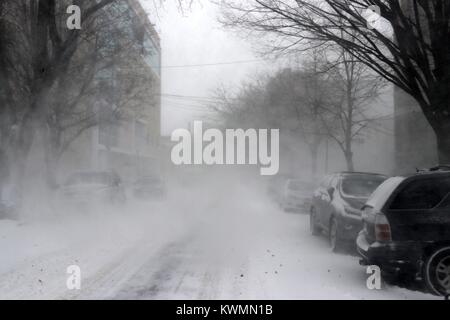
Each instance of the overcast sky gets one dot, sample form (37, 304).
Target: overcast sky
(191, 39)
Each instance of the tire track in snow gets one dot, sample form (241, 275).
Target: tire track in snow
(160, 274)
(110, 280)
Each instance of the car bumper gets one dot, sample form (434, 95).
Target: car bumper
(390, 257)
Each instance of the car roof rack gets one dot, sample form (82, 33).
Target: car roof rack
(357, 172)
(435, 169)
(441, 168)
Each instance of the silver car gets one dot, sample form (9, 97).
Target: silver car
(93, 187)
(296, 195)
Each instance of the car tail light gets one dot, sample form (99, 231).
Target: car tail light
(382, 228)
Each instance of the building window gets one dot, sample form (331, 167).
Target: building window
(108, 135)
(141, 135)
(151, 55)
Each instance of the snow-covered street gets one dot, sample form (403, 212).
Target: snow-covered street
(250, 150)
(231, 244)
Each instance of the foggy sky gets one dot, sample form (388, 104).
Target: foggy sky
(193, 38)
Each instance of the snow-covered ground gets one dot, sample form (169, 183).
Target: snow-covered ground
(226, 241)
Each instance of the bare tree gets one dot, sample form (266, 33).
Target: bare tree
(415, 56)
(320, 100)
(108, 68)
(41, 51)
(349, 113)
(49, 74)
(244, 107)
(290, 100)
(297, 99)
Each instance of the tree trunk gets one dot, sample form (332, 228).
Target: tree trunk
(17, 168)
(440, 124)
(349, 160)
(4, 172)
(51, 164)
(19, 154)
(314, 149)
(52, 156)
(443, 145)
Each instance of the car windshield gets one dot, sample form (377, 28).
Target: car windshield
(361, 186)
(88, 178)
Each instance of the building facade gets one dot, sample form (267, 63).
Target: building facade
(126, 138)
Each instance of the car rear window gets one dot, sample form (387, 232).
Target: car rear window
(422, 194)
(383, 192)
(361, 186)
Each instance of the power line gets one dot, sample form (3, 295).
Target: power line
(222, 63)
(191, 98)
(213, 64)
(185, 107)
(183, 96)
(201, 101)
(197, 107)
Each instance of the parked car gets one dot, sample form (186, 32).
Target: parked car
(337, 204)
(296, 195)
(93, 187)
(149, 188)
(407, 228)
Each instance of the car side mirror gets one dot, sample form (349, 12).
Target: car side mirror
(330, 193)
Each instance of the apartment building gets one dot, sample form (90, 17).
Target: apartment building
(126, 138)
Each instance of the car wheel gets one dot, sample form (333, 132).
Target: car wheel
(313, 227)
(437, 272)
(333, 235)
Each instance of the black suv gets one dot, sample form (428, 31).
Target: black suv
(407, 228)
(337, 203)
